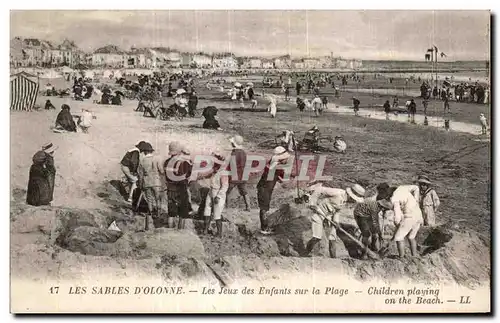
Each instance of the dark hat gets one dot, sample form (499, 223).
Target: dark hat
(39, 157)
(383, 191)
(65, 107)
(140, 143)
(422, 179)
(145, 146)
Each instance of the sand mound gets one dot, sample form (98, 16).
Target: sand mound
(447, 254)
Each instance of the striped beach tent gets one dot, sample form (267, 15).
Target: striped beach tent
(23, 91)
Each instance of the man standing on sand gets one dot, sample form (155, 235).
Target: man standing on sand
(238, 159)
(408, 218)
(149, 174)
(326, 202)
(178, 169)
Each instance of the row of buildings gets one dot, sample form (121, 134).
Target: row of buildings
(34, 52)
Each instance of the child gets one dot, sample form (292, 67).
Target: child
(484, 123)
(425, 103)
(447, 122)
(85, 121)
(324, 100)
(339, 145)
(149, 176)
(49, 105)
(356, 103)
(429, 201)
(216, 199)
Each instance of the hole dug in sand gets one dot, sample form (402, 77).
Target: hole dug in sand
(87, 232)
(445, 252)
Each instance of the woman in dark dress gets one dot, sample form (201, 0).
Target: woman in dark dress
(41, 179)
(65, 120)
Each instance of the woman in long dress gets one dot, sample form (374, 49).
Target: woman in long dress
(41, 179)
(65, 120)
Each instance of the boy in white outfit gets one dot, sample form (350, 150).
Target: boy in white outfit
(429, 201)
(216, 199)
(404, 201)
(85, 121)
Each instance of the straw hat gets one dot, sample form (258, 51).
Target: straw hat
(383, 191)
(137, 145)
(237, 141)
(356, 192)
(174, 148)
(423, 180)
(279, 154)
(180, 91)
(39, 157)
(49, 148)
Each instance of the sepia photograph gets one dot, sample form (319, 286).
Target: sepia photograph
(250, 161)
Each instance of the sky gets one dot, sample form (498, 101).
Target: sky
(377, 35)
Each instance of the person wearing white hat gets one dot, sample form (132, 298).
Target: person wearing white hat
(216, 199)
(484, 124)
(429, 200)
(266, 184)
(240, 158)
(326, 202)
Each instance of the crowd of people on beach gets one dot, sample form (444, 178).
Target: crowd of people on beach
(154, 179)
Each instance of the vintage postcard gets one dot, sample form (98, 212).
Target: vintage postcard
(237, 161)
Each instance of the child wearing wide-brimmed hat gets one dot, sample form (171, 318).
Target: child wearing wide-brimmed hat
(429, 200)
